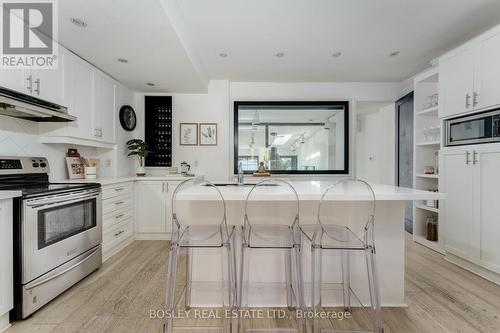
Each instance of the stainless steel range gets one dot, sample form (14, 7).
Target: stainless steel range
(57, 232)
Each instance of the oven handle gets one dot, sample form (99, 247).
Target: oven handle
(49, 278)
(59, 200)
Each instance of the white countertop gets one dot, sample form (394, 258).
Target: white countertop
(110, 181)
(312, 191)
(9, 194)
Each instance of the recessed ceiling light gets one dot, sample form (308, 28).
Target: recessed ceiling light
(78, 22)
(223, 55)
(394, 54)
(280, 55)
(150, 84)
(122, 60)
(336, 54)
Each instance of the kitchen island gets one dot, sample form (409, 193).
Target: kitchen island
(267, 271)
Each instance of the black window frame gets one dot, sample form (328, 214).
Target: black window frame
(345, 104)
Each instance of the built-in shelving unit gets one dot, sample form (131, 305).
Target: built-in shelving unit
(426, 155)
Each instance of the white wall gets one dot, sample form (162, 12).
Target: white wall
(19, 137)
(211, 161)
(375, 144)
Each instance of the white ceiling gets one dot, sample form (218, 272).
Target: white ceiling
(176, 43)
(138, 31)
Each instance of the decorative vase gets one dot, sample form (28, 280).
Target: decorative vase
(140, 171)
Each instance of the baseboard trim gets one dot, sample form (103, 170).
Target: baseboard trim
(473, 268)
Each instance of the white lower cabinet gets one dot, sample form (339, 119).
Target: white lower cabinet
(6, 263)
(153, 208)
(118, 217)
(471, 210)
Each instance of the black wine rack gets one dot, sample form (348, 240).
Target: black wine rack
(158, 130)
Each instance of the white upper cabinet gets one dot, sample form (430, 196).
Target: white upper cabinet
(81, 89)
(104, 107)
(456, 81)
(48, 84)
(90, 96)
(488, 69)
(469, 76)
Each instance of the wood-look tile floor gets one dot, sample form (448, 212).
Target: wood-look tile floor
(441, 297)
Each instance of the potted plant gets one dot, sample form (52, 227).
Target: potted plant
(138, 148)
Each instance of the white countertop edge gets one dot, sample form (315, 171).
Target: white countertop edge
(117, 180)
(4, 195)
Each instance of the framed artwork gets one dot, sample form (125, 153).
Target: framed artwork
(75, 168)
(188, 134)
(208, 134)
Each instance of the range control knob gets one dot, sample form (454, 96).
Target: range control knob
(43, 165)
(35, 165)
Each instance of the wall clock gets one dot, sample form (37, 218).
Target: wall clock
(128, 119)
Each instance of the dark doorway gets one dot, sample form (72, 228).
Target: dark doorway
(404, 151)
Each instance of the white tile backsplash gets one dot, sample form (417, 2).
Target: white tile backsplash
(19, 137)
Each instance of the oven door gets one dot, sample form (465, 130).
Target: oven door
(57, 228)
(471, 130)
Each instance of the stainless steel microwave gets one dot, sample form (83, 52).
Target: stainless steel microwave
(473, 129)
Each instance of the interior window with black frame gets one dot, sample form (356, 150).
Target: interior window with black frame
(292, 137)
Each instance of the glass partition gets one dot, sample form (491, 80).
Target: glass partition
(292, 137)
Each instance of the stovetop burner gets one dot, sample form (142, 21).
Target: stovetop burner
(30, 175)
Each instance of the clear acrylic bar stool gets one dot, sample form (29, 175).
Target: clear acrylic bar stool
(272, 225)
(199, 225)
(336, 219)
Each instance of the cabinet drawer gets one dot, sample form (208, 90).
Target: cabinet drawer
(115, 190)
(116, 203)
(113, 218)
(117, 234)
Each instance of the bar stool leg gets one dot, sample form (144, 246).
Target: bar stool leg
(289, 281)
(346, 279)
(230, 282)
(170, 297)
(189, 271)
(315, 285)
(374, 290)
(300, 289)
(244, 284)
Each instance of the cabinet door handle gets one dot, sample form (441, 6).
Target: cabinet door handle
(467, 101)
(474, 157)
(118, 203)
(119, 216)
(119, 233)
(37, 90)
(467, 160)
(474, 99)
(118, 189)
(30, 84)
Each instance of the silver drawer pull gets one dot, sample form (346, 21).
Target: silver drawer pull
(119, 215)
(119, 233)
(119, 203)
(118, 189)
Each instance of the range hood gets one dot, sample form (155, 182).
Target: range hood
(18, 105)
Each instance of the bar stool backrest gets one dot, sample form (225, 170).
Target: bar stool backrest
(198, 202)
(337, 207)
(272, 202)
